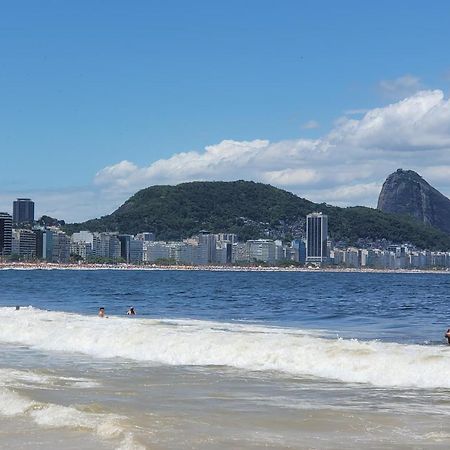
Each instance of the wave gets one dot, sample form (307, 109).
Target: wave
(50, 415)
(249, 347)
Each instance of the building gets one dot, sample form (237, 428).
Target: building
(261, 250)
(316, 238)
(23, 211)
(61, 247)
(81, 249)
(83, 236)
(299, 246)
(146, 237)
(125, 246)
(206, 250)
(136, 251)
(224, 252)
(227, 237)
(44, 244)
(154, 251)
(106, 246)
(24, 243)
(5, 234)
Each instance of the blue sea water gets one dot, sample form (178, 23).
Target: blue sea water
(397, 307)
(223, 360)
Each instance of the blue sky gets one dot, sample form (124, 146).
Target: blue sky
(113, 88)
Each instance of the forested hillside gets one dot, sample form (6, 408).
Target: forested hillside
(253, 210)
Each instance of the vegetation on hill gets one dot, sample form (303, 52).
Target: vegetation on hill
(253, 210)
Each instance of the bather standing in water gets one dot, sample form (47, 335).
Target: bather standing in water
(447, 335)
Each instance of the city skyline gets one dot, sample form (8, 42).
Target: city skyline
(98, 103)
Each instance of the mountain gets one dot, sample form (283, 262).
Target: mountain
(406, 192)
(253, 210)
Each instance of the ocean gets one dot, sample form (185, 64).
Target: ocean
(223, 360)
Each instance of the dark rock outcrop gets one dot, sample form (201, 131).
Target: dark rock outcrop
(406, 192)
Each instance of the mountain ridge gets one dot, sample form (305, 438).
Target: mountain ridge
(253, 210)
(406, 192)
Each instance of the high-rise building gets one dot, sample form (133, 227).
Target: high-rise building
(23, 211)
(125, 246)
(106, 245)
(61, 246)
(5, 234)
(316, 238)
(206, 247)
(24, 243)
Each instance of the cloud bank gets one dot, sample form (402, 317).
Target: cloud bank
(347, 166)
(344, 167)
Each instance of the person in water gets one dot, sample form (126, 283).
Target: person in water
(101, 312)
(131, 311)
(447, 335)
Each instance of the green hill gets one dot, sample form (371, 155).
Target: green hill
(253, 210)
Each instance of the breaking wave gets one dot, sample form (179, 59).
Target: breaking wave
(249, 347)
(49, 415)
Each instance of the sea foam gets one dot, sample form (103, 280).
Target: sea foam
(249, 347)
(50, 415)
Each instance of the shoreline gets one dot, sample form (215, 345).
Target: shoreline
(211, 268)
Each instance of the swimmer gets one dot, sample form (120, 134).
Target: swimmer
(131, 311)
(17, 308)
(447, 335)
(101, 312)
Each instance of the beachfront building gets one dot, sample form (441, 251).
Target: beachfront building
(106, 246)
(261, 250)
(206, 248)
(23, 243)
(60, 246)
(299, 247)
(81, 249)
(316, 238)
(5, 234)
(44, 243)
(224, 252)
(153, 251)
(136, 251)
(81, 244)
(23, 211)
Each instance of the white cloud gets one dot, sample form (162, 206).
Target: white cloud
(70, 204)
(311, 124)
(356, 194)
(347, 166)
(420, 122)
(400, 87)
(355, 112)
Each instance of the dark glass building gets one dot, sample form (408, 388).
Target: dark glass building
(316, 238)
(23, 211)
(5, 234)
(125, 246)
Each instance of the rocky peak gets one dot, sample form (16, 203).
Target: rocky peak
(406, 192)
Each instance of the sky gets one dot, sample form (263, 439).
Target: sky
(99, 99)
